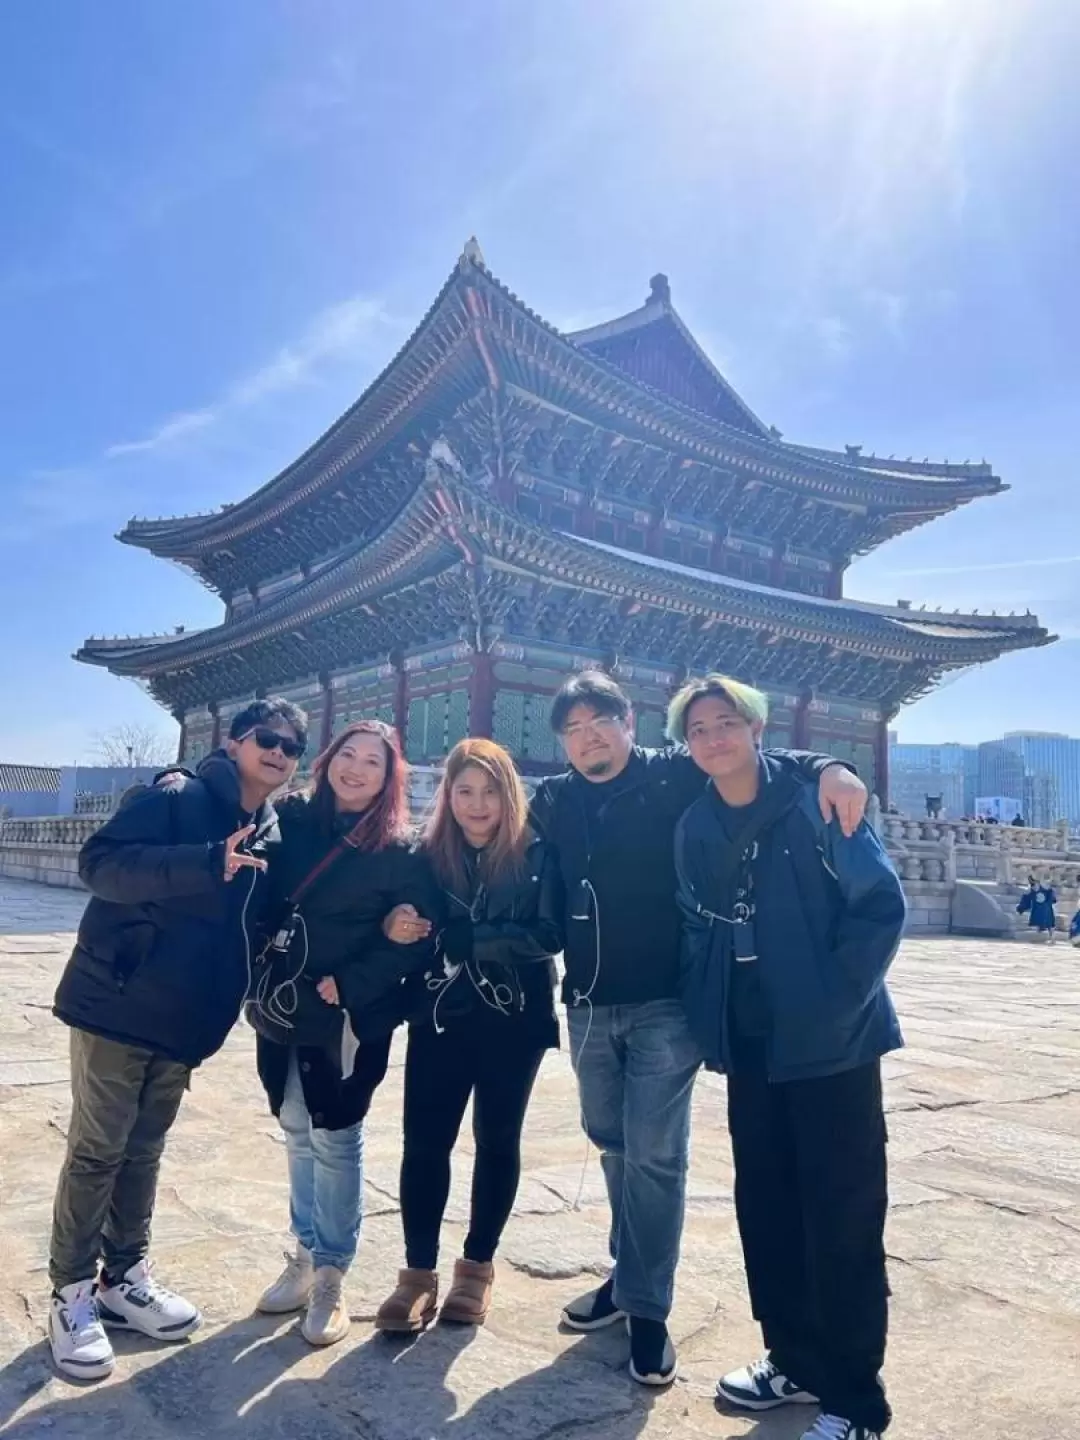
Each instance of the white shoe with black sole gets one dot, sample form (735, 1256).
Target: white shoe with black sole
(761, 1386)
(834, 1427)
(139, 1303)
(652, 1355)
(594, 1311)
(80, 1347)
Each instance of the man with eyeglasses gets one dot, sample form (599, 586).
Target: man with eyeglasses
(611, 821)
(154, 985)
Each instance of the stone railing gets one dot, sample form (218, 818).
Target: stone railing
(933, 857)
(45, 849)
(936, 857)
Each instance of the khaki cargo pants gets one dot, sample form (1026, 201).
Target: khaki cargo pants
(124, 1101)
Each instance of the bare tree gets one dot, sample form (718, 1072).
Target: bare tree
(134, 745)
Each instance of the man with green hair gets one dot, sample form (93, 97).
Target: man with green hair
(789, 927)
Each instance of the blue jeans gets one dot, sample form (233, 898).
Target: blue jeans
(326, 1178)
(635, 1066)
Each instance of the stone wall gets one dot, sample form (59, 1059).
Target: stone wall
(936, 860)
(45, 850)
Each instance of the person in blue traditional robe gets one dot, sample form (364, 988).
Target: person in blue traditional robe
(1037, 903)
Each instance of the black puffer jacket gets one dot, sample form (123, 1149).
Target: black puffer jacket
(495, 949)
(341, 936)
(161, 958)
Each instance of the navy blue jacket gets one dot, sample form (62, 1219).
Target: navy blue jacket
(163, 950)
(829, 917)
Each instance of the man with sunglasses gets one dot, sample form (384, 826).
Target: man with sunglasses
(155, 983)
(611, 822)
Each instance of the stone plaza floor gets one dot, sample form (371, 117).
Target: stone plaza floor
(984, 1240)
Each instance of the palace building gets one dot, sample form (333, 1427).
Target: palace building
(505, 504)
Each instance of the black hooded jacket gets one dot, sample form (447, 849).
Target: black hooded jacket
(164, 948)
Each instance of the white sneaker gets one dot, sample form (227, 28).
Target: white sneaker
(292, 1289)
(832, 1427)
(80, 1347)
(138, 1302)
(327, 1319)
(760, 1386)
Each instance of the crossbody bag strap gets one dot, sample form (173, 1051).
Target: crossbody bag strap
(318, 870)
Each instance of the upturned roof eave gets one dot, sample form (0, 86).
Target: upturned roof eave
(421, 543)
(185, 538)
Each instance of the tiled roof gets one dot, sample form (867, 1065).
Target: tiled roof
(29, 779)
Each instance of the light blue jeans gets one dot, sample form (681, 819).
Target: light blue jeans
(635, 1066)
(326, 1180)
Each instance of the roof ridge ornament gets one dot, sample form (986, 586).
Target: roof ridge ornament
(659, 290)
(472, 254)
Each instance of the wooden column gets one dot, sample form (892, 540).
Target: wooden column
(800, 725)
(401, 699)
(482, 695)
(326, 732)
(215, 731)
(181, 746)
(881, 761)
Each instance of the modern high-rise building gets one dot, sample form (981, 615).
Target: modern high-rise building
(1054, 760)
(945, 772)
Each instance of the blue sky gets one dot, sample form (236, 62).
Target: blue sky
(221, 219)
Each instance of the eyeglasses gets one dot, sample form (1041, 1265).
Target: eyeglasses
(598, 725)
(267, 739)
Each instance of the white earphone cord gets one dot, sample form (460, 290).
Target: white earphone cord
(585, 998)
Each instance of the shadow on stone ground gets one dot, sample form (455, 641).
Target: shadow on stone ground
(241, 1382)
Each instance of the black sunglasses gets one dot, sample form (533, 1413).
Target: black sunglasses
(268, 739)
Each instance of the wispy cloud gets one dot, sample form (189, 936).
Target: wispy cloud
(1040, 563)
(335, 334)
(167, 433)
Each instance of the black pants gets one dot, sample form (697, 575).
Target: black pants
(124, 1101)
(811, 1197)
(494, 1061)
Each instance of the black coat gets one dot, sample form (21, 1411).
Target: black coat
(495, 952)
(626, 949)
(341, 936)
(163, 949)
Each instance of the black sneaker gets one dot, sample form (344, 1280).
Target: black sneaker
(652, 1355)
(594, 1310)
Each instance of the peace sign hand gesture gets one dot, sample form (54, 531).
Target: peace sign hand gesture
(235, 858)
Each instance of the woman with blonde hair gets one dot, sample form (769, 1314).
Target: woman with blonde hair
(484, 1015)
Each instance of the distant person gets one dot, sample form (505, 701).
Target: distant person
(789, 927)
(1074, 929)
(327, 996)
(611, 823)
(1037, 903)
(154, 986)
(1018, 820)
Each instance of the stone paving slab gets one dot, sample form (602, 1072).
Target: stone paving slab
(984, 1240)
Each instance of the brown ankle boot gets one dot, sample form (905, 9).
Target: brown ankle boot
(412, 1305)
(469, 1297)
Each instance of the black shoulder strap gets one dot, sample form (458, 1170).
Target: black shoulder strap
(777, 800)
